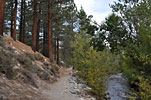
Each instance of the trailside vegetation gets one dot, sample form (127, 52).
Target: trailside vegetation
(88, 63)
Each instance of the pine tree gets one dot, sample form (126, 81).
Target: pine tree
(50, 28)
(34, 26)
(50, 31)
(37, 36)
(2, 9)
(63, 28)
(15, 19)
(12, 14)
(38, 28)
(58, 53)
(24, 21)
(21, 22)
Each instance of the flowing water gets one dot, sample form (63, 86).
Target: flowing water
(117, 87)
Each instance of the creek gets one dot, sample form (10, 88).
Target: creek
(117, 87)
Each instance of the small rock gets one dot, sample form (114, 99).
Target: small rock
(13, 94)
(92, 98)
(71, 73)
(16, 67)
(81, 98)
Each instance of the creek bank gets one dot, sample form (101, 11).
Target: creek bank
(79, 89)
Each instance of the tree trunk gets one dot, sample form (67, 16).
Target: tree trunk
(21, 23)
(58, 60)
(2, 10)
(34, 26)
(55, 50)
(50, 31)
(38, 31)
(15, 18)
(44, 39)
(24, 23)
(12, 14)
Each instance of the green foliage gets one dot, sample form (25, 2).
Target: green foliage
(43, 74)
(25, 61)
(114, 32)
(126, 66)
(88, 62)
(110, 62)
(39, 57)
(64, 19)
(2, 43)
(34, 57)
(136, 58)
(30, 56)
(145, 88)
(85, 23)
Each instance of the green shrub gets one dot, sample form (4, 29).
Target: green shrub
(34, 57)
(39, 57)
(144, 88)
(88, 62)
(144, 92)
(136, 72)
(43, 74)
(2, 43)
(29, 55)
(25, 61)
(7, 62)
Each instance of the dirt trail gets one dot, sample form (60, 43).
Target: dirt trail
(59, 90)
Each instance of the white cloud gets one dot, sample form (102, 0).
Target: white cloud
(98, 8)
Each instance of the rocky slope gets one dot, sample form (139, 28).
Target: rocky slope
(23, 73)
(27, 75)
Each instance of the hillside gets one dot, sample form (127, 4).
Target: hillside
(23, 73)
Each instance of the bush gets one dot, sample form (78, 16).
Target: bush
(2, 43)
(144, 88)
(29, 55)
(43, 74)
(39, 57)
(25, 61)
(136, 72)
(87, 61)
(7, 62)
(35, 57)
(144, 92)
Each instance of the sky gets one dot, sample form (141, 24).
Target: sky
(98, 8)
